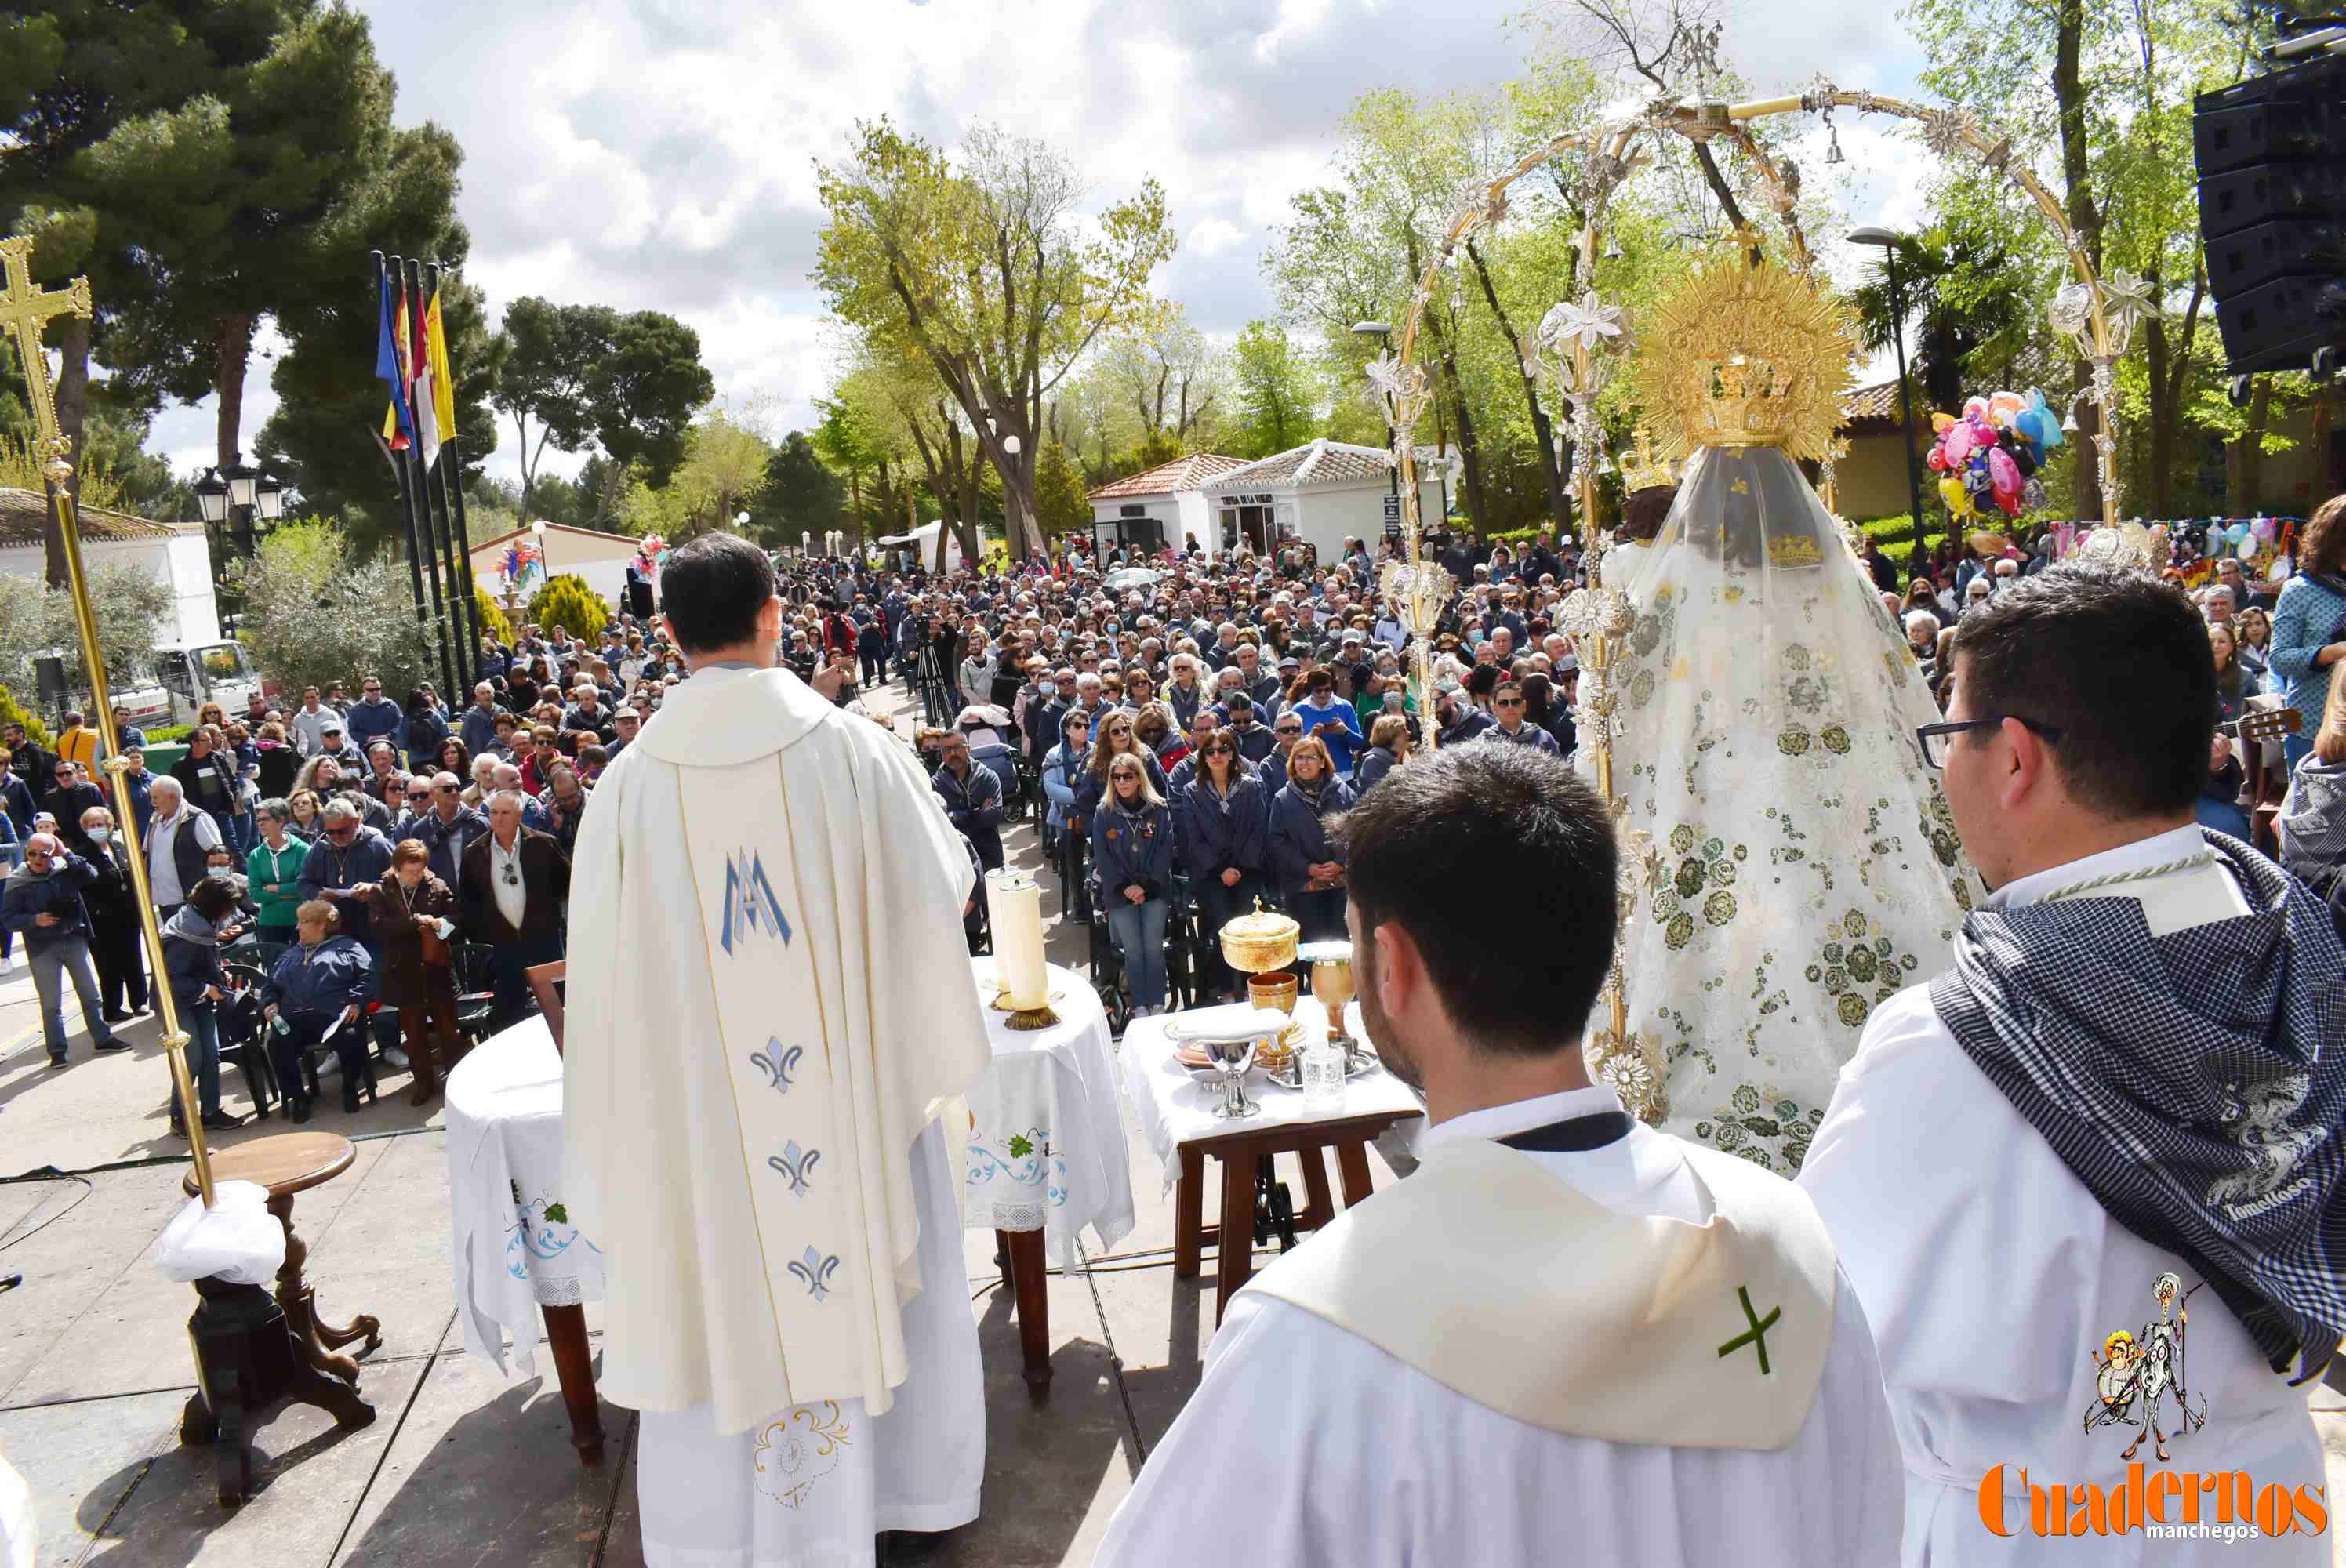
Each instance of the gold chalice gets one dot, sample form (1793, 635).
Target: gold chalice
(1332, 982)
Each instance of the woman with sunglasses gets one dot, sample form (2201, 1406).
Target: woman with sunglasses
(1310, 866)
(1132, 846)
(1223, 827)
(1118, 736)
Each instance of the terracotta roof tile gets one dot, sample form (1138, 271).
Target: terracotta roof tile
(24, 520)
(1191, 473)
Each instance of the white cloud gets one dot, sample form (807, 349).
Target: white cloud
(660, 154)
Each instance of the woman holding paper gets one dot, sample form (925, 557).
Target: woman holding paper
(413, 915)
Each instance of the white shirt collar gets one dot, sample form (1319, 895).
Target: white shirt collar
(2160, 848)
(1496, 1122)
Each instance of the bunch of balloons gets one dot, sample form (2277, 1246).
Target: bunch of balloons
(1990, 455)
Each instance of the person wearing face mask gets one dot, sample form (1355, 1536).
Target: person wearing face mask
(191, 967)
(116, 935)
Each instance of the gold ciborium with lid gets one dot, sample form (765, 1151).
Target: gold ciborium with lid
(1262, 946)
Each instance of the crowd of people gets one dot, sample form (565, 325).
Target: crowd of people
(1183, 739)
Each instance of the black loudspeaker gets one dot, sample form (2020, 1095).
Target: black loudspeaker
(49, 681)
(2272, 155)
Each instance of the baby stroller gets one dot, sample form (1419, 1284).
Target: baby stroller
(992, 741)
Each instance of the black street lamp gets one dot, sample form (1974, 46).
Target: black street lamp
(1889, 243)
(1383, 332)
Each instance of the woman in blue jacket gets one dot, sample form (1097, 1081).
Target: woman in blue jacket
(1064, 768)
(1132, 844)
(1117, 737)
(1331, 719)
(322, 982)
(2308, 623)
(1225, 837)
(191, 965)
(1311, 867)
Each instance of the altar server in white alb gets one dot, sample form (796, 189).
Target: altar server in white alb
(1567, 1338)
(768, 1005)
(2087, 1180)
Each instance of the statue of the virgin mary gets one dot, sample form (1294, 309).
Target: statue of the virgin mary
(1803, 865)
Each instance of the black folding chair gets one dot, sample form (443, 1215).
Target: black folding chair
(244, 1037)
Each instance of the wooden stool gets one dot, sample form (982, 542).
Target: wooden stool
(288, 1163)
(1240, 1151)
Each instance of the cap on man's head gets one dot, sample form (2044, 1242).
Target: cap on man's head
(627, 712)
(1290, 662)
(329, 728)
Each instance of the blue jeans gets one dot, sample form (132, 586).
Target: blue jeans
(52, 961)
(1139, 932)
(203, 1056)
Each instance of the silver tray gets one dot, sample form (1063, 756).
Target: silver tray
(1356, 1065)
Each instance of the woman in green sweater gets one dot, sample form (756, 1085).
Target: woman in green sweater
(273, 872)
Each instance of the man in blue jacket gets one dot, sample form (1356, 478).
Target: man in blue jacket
(972, 798)
(42, 903)
(374, 716)
(342, 869)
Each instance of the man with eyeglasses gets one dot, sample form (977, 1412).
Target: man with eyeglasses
(2125, 1091)
(73, 796)
(344, 864)
(1510, 729)
(373, 717)
(42, 903)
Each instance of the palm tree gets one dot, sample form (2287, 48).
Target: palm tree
(1966, 308)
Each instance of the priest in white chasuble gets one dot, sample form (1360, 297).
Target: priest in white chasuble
(2087, 1181)
(769, 1004)
(1567, 1338)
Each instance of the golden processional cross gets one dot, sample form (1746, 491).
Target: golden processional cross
(25, 312)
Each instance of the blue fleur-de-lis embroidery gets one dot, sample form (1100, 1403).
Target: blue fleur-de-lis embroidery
(796, 1164)
(776, 1063)
(815, 1271)
(749, 901)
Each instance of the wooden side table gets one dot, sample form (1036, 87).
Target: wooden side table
(1239, 1151)
(286, 1164)
(1025, 1273)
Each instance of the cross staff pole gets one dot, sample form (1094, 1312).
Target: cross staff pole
(23, 311)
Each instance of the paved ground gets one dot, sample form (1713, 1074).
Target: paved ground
(464, 1465)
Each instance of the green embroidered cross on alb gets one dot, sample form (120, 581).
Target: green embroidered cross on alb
(1757, 1335)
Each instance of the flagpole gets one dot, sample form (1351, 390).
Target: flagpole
(450, 481)
(399, 470)
(409, 274)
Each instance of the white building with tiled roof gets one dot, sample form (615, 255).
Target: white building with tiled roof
(173, 554)
(1162, 507)
(1320, 493)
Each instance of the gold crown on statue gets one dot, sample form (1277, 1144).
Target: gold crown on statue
(1642, 468)
(1739, 355)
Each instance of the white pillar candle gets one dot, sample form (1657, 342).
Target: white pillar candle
(1014, 907)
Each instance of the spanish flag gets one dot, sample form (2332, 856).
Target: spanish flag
(391, 366)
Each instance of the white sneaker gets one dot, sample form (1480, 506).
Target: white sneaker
(395, 1058)
(7, 963)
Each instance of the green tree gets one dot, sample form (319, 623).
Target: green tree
(544, 365)
(979, 263)
(1059, 493)
(567, 602)
(2096, 101)
(128, 602)
(801, 498)
(643, 389)
(724, 467)
(78, 76)
(1274, 391)
(318, 609)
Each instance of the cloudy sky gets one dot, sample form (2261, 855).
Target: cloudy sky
(660, 153)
